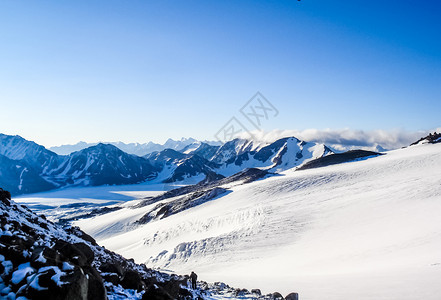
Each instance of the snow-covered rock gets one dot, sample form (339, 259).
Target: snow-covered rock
(42, 260)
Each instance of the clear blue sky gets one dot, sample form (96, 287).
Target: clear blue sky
(149, 70)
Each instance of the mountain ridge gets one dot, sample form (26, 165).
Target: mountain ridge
(106, 164)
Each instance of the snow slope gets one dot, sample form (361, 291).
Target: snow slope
(368, 229)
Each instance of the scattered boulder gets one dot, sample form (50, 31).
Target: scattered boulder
(78, 253)
(132, 280)
(96, 289)
(277, 296)
(256, 292)
(155, 292)
(292, 296)
(240, 292)
(112, 268)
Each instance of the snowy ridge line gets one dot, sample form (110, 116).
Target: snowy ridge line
(30, 168)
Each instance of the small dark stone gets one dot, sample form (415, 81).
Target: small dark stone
(45, 279)
(292, 296)
(241, 292)
(155, 292)
(78, 253)
(86, 251)
(112, 268)
(184, 292)
(256, 292)
(52, 257)
(277, 295)
(113, 278)
(173, 286)
(132, 280)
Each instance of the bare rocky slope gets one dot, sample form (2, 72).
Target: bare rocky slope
(43, 260)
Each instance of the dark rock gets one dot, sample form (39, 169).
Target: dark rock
(14, 248)
(52, 257)
(112, 277)
(431, 139)
(173, 287)
(256, 292)
(184, 292)
(338, 158)
(75, 287)
(155, 292)
(277, 295)
(45, 279)
(132, 280)
(86, 251)
(112, 268)
(96, 289)
(78, 253)
(28, 230)
(5, 196)
(292, 296)
(241, 292)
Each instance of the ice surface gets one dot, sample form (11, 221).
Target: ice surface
(363, 230)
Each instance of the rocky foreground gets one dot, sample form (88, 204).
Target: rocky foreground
(43, 260)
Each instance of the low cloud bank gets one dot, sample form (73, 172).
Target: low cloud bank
(346, 139)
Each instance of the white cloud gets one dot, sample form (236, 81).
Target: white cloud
(345, 139)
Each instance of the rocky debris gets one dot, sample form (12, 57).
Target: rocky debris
(245, 176)
(91, 214)
(430, 139)
(225, 291)
(164, 210)
(43, 260)
(338, 158)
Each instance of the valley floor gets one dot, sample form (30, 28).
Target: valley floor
(363, 230)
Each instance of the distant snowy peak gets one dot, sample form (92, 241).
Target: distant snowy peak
(139, 149)
(203, 150)
(280, 155)
(30, 153)
(32, 167)
(103, 164)
(178, 166)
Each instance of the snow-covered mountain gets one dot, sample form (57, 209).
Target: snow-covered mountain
(18, 177)
(178, 166)
(23, 165)
(283, 154)
(139, 149)
(103, 164)
(33, 155)
(351, 230)
(32, 168)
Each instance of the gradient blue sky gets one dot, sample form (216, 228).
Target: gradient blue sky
(149, 70)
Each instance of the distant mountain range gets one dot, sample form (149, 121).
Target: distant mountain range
(134, 148)
(26, 167)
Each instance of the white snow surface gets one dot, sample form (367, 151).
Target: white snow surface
(368, 229)
(79, 200)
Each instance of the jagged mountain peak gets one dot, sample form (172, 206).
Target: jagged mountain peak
(17, 148)
(102, 148)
